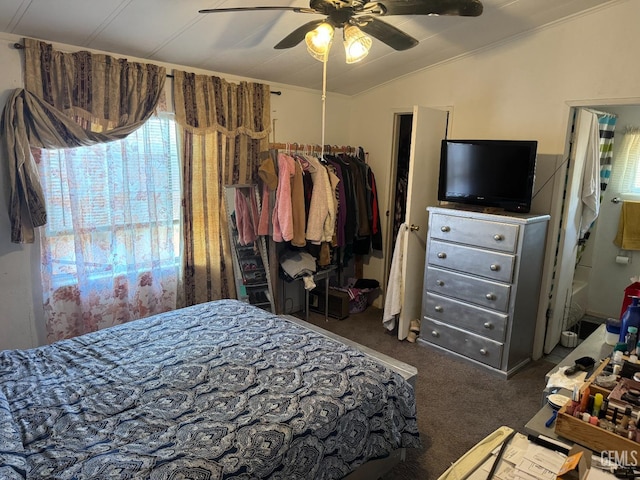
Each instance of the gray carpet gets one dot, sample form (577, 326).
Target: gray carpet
(458, 403)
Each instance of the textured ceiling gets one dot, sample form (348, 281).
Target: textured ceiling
(241, 43)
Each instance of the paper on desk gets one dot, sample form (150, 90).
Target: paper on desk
(560, 380)
(522, 460)
(549, 459)
(503, 472)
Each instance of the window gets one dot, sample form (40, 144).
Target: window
(113, 208)
(626, 166)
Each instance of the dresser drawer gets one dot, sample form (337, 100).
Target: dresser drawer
(471, 231)
(465, 343)
(484, 322)
(471, 289)
(474, 261)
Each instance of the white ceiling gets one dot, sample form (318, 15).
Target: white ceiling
(241, 43)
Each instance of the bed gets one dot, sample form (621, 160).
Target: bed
(213, 391)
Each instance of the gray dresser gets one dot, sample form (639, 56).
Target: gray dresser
(482, 284)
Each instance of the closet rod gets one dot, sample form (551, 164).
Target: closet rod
(301, 147)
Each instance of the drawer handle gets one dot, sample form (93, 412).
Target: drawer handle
(494, 267)
(434, 333)
(438, 308)
(440, 283)
(442, 255)
(497, 237)
(488, 325)
(445, 229)
(490, 296)
(483, 351)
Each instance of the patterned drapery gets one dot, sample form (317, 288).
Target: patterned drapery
(63, 92)
(226, 126)
(92, 277)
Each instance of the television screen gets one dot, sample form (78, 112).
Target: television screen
(491, 173)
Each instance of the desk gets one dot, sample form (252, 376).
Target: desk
(593, 346)
(536, 425)
(518, 453)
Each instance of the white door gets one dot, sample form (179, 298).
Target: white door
(428, 130)
(570, 231)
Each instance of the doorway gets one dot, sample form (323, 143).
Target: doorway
(595, 288)
(421, 133)
(398, 203)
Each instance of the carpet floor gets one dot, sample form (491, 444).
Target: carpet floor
(458, 403)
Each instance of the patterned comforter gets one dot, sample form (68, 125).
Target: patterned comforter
(214, 391)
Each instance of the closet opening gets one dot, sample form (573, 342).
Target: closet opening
(403, 125)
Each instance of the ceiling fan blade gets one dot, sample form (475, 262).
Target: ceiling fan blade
(295, 37)
(464, 8)
(253, 9)
(396, 39)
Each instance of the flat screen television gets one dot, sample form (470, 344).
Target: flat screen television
(489, 173)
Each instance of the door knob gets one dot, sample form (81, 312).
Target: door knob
(414, 228)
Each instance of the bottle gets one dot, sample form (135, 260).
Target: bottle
(597, 404)
(621, 428)
(617, 360)
(630, 318)
(631, 338)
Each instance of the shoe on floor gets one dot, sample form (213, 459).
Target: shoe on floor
(414, 326)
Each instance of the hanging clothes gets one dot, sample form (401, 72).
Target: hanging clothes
(321, 210)
(282, 216)
(341, 212)
(298, 211)
(395, 286)
(269, 177)
(246, 217)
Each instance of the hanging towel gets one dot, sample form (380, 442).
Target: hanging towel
(591, 178)
(395, 287)
(628, 236)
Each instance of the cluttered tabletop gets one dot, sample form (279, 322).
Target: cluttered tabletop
(592, 400)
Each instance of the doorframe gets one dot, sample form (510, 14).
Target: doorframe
(556, 208)
(388, 237)
(391, 200)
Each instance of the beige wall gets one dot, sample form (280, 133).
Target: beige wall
(517, 90)
(521, 89)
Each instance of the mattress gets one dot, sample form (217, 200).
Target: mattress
(214, 391)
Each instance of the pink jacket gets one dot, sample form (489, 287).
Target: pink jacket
(282, 217)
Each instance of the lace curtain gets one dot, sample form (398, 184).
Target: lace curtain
(626, 178)
(71, 100)
(226, 126)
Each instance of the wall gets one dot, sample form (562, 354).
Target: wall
(297, 115)
(520, 89)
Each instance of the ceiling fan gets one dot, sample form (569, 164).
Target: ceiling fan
(365, 15)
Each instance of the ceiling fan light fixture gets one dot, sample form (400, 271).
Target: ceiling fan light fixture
(319, 41)
(356, 44)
